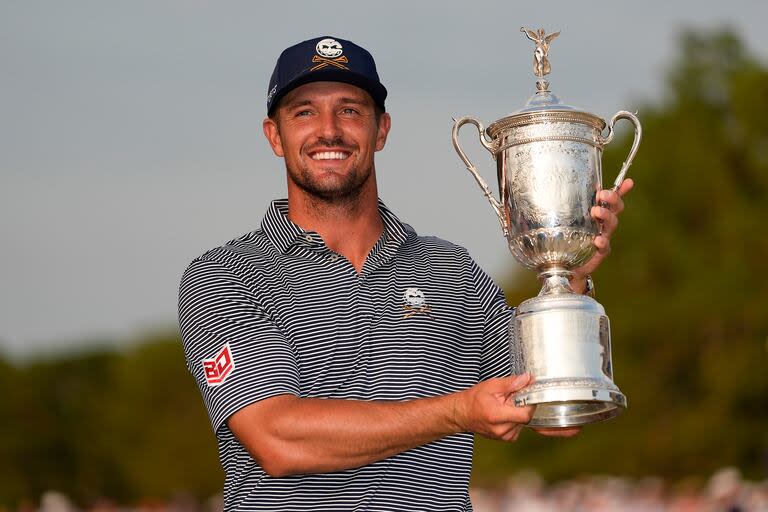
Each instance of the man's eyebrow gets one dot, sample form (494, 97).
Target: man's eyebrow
(297, 103)
(354, 101)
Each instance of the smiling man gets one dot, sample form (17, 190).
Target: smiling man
(345, 361)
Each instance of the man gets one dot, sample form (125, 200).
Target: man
(345, 362)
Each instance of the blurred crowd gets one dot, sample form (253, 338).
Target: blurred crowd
(725, 491)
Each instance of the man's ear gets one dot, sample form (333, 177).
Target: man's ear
(272, 134)
(385, 123)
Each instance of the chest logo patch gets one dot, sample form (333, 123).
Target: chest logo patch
(415, 302)
(218, 368)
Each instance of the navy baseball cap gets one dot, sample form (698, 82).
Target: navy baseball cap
(324, 58)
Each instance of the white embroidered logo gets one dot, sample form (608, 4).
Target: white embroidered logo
(329, 48)
(272, 93)
(415, 303)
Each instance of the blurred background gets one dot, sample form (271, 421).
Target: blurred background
(130, 142)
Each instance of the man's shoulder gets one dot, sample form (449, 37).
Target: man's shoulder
(250, 249)
(414, 241)
(437, 245)
(445, 254)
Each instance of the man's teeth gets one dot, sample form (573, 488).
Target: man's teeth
(330, 155)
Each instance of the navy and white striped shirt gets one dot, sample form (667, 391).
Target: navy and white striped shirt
(275, 312)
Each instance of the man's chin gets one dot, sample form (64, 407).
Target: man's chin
(332, 191)
(334, 195)
(331, 184)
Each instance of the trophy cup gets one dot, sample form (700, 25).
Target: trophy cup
(549, 170)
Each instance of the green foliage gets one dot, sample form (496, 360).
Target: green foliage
(684, 286)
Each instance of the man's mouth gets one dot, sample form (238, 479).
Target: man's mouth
(330, 155)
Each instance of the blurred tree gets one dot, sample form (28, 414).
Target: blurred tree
(50, 408)
(159, 435)
(684, 288)
(12, 443)
(124, 426)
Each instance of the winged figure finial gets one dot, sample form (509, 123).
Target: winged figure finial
(541, 65)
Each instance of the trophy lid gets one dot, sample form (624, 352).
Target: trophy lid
(544, 102)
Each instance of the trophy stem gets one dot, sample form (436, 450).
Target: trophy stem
(555, 281)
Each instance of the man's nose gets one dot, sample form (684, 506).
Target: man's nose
(329, 126)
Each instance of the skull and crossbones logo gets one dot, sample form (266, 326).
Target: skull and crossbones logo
(330, 48)
(415, 302)
(329, 53)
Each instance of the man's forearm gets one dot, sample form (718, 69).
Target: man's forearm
(292, 435)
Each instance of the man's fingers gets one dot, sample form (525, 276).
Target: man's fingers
(613, 199)
(626, 186)
(517, 382)
(603, 246)
(558, 432)
(610, 200)
(607, 218)
(513, 433)
(609, 206)
(492, 412)
(512, 415)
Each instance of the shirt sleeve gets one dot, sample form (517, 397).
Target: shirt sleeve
(497, 356)
(234, 351)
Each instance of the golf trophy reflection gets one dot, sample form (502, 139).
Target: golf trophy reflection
(548, 159)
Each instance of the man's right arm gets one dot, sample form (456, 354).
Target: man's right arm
(290, 435)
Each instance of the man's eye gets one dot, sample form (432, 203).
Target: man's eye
(302, 113)
(349, 111)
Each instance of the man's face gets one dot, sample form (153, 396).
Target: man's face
(327, 132)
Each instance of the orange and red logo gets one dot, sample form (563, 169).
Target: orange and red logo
(218, 368)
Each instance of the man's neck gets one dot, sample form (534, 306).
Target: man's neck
(350, 228)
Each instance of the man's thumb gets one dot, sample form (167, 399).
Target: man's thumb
(517, 382)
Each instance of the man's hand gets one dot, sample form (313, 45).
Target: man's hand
(610, 205)
(487, 408)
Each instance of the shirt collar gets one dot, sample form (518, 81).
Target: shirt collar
(283, 233)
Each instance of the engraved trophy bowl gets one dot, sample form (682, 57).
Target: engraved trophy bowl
(548, 162)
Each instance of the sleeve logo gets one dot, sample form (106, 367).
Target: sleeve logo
(218, 368)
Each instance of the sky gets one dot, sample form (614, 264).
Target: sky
(130, 132)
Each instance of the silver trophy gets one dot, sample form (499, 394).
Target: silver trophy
(549, 169)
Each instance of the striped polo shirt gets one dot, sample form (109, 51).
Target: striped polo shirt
(277, 312)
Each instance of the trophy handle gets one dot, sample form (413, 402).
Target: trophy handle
(495, 204)
(623, 114)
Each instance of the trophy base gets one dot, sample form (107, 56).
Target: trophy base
(561, 404)
(563, 341)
